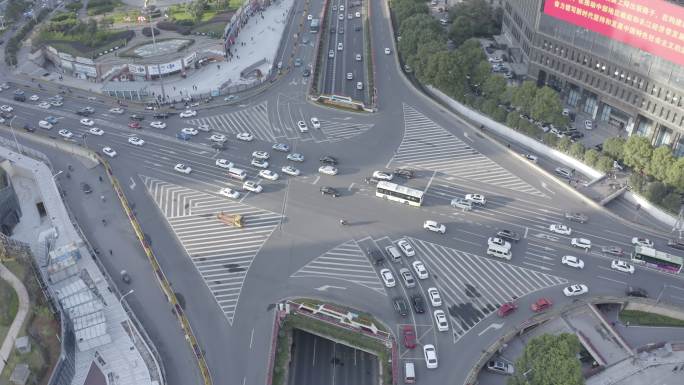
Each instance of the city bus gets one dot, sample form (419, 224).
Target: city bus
(657, 259)
(315, 25)
(398, 193)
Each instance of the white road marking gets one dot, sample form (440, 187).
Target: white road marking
(132, 185)
(316, 180)
(251, 339)
(610, 279)
(492, 326)
(547, 188)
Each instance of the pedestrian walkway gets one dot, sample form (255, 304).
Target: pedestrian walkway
(222, 254)
(253, 119)
(19, 318)
(345, 262)
(428, 146)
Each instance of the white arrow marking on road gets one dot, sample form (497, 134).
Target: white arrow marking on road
(326, 287)
(546, 236)
(548, 189)
(492, 326)
(350, 186)
(132, 186)
(317, 178)
(467, 137)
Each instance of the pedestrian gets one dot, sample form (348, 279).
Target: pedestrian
(110, 252)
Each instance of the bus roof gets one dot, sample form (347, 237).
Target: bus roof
(653, 253)
(400, 189)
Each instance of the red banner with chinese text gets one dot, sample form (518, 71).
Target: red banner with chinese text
(651, 25)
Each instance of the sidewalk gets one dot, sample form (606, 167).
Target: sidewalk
(22, 312)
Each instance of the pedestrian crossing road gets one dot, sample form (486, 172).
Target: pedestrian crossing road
(428, 146)
(221, 254)
(255, 120)
(345, 262)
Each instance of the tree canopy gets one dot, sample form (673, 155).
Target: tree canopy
(549, 359)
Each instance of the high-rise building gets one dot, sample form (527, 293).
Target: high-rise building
(620, 61)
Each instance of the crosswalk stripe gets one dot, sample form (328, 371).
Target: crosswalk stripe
(221, 254)
(345, 262)
(426, 145)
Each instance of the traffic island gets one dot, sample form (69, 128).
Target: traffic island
(308, 320)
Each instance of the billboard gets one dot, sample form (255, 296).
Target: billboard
(654, 26)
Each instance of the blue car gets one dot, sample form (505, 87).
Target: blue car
(183, 136)
(51, 120)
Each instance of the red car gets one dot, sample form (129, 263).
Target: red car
(409, 337)
(134, 124)
(541, 304)
(506, 309)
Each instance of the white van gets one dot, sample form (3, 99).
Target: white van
(409, 373)
(393, 253)
(500, 252)
(237, 173)
(461, 203)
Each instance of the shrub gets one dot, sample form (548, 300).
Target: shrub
(672, 202)
(550, 139)
(655, 192)
(605, 163)
(577, 150)
(513, 120)
(563, 144)
(591, 157)
(637, 181)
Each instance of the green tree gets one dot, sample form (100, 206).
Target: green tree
(513, 120)
(461, 29)
(549, 359)
(546, 106)
(444, 69)
(420, 61)
(488, 107)
(471, 55)
(655, 191)
(637, 181)
(604, 163)
(577, 150)
(480, 75)
(564, 144)
(196, 9)
(499, 115)
(675, 175)
(403, 9)
(637, 152)
(417, 30)
(591, 156)
(614, 147)
(672, 202)
(494, 88)
(661, 160)
(479, 17)
(550, 139)
(523, 96)
(531, 130)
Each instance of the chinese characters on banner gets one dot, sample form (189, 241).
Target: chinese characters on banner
(651, 25)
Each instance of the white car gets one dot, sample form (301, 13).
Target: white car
(109, 152)
(434, 227)
(158, 124)
(350, 76)
(45, 125)
(315, 123)
(191, 131)
(572, 261)
(87, 122)
(96, 131)
(328, 170)
(582, 243)
(420, 270)
(134, 140)
(430, 355)
(6, 108)
(560, 229)
(441, 320)
(203, 127)
(224, 163)
(34, 98)
(55, 103)
(310, 17)
(406, 247)
(588, 124)
(496, 241)
(252, 186)
(387, 278)
(302, 126)
(476, 198)
(268, 174)
(47, 105)
(245, 137)
(359, 85)
(435, 298)
(341, 8)
(531, 157)
(282, 147)
(295, 157)
(180, 167)
(358, 57)
(644, 242)
(383, 175)
(116, 110)
(230, 193)
(574, 290)
(260, 163)
(289, 170)
(622, 266)
(388, 51)
(261, 155)
(188, 114)
(218, 138)
(65, 134)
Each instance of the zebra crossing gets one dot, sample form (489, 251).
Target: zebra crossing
(473, 287)
(221, 254)
(345, 262)
(336, 131)
(253, 119)
(428, 146)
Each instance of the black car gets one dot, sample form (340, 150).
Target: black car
(576, 217)
(6, 115)
(86, 188)
(371, 180)
(329, 160)
(599, 147)
(220, 146)
(375, 256)
(327, 190)
(418, 303)
(137, 117)
(28, 128)
(637, 292)
(508, 234)
(676, 244)
(306, 72)
(161, 115)
(404, 173)
(400, 306)
(357, 28)
(84, 112)
(332, 30)
(20, 98)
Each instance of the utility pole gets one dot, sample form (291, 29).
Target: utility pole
(148, 14)
(679, 224)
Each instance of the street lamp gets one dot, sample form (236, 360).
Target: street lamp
(130, 326)
(125, 295)
(16, 142)
(59, 172)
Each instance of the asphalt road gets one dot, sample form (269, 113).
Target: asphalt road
(292, 244)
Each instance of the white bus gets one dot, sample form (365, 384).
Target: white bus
(395, 192)
(657, 259)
